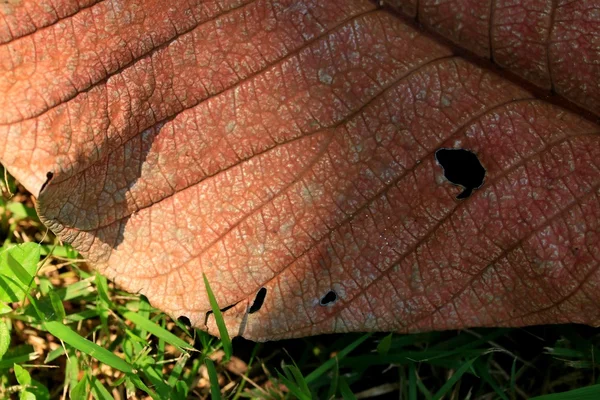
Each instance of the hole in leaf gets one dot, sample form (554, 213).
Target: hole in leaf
(223, 310)
(329, 298)
(184, 321)
(49, 177)
(461, 167)
(258, 300)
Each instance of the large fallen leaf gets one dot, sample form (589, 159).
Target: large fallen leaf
(287, 149)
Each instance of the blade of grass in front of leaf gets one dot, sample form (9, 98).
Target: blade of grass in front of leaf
(70, 337)
(155, 329)
(453, 379)
(332, 361)
(585, 393)
(215, 390)
(227, 346)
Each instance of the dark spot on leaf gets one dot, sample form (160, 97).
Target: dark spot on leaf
(258, 300)
(223, 310)
(461, 167)
(49, 177)
(329, 298)
(184, 321)
(228, 307)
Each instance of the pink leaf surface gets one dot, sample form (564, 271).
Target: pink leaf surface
(290, 145)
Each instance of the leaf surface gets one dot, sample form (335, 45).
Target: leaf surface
(291, 146)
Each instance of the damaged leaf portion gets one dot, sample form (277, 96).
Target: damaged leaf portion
(285, 152)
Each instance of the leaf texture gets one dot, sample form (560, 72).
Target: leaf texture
(290, 145)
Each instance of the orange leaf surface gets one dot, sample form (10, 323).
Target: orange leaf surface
(287, 150)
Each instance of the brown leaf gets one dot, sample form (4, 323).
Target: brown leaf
(291, 146)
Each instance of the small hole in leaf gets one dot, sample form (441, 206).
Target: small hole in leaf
(223, 310)
(184, 321)
(461, 167)
(258, 300)
(329, 298)
(49, 177)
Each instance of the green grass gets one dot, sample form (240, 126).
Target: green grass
(65, 332)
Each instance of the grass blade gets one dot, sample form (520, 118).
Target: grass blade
(586, 393)
(57, 306)
(4, 338)
(483, 371)
(426, 393)
(156, 330)
(227, 346)
(513, 379)
(70, 337)
(215, 390)
(9, 361)
(290, 382)
(99, 391)
(142, 386)
(177, 370)
(326, 366)
(384, 345)
(453, 379)
(294, 374)
(412, 382)
(345, 390)
(80, 389)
